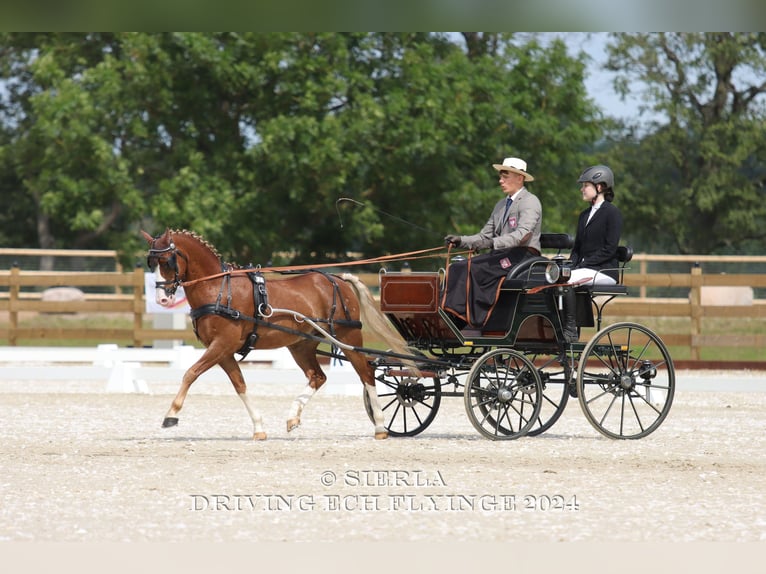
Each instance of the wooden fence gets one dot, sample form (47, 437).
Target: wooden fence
(694, 306)
(101, 259)
(122, 293)
(22, 292)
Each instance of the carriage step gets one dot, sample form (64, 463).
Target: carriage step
(469, 332)
(410, 373)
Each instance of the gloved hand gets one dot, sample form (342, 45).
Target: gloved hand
(452, 240)
(483, 244)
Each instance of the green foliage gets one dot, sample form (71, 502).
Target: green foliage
(696, 183)
(251, 139)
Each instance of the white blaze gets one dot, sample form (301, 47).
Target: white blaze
(160, 296)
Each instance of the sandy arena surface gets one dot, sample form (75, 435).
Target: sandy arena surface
(82, 465)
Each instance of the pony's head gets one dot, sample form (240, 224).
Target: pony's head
(168, 265)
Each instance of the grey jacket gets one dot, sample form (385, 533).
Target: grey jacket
(522, 225)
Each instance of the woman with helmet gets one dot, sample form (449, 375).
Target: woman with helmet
(594, 254)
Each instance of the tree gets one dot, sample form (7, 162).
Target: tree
(697, 183)
(62, 152)
(412, 128)
(251, 139)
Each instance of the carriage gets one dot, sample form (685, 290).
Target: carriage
(516, 375)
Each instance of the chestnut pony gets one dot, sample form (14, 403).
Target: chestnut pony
(294, 314)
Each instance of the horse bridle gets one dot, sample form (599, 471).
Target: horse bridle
(169, 286)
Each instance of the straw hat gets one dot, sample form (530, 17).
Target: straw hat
(515, 165)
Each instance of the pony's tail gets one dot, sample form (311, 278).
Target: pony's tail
(373, 319)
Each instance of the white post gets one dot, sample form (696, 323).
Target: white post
(169, 321)
(122, 379)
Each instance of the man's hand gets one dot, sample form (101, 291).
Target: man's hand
(452, 240)
(484, 244)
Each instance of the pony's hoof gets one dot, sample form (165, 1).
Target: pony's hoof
(259, 436)
(293, 424)
(169, 422)
(381, 435)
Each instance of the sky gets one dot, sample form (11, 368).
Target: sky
(594, 44)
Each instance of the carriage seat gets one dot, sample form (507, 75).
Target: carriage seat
(532, 270)
(624, 255)
(600, 295)
(556, 241)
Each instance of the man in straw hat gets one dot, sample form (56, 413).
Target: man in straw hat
(512, 232)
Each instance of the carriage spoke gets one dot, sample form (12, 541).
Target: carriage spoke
(411, 402)
(503, 394)
(626, 382)
(635, 412)
(647, 388)
(506, 416)
(555, 374)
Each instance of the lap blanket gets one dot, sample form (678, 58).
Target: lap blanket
(473, 285)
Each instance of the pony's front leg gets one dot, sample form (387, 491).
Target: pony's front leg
(255, 416)
(231, 366)
(204, 363)
(171, 417)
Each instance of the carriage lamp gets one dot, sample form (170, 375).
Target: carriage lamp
(552, 272)
(648, 370)
(558, 270)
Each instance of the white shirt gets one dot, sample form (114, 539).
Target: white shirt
(593, 210)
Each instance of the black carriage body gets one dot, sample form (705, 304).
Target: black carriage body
(521, 317)
(517, 373)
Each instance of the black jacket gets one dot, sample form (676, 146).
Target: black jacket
(595, 245)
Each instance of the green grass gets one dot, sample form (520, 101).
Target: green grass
(710, 326)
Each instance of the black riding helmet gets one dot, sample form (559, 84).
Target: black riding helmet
(596, 174)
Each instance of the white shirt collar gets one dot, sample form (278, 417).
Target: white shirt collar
(593, 209)
(595, 206)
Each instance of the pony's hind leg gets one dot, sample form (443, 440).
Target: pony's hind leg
(366, 374)
(231, 366)
(304, 354)
(381, 431)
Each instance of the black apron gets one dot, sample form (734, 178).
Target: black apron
(473, 285)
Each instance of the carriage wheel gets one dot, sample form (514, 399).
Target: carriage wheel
(556, 377)
(503, 394)
(626, 381)
(409, 403)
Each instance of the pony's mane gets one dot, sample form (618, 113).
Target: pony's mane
(197, 237)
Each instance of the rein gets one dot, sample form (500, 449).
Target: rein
(263, 311)
(409, 256)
